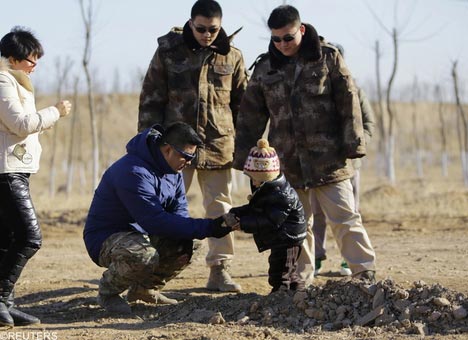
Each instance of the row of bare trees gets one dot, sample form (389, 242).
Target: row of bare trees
(386, 115)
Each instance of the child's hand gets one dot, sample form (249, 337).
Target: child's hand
(232, 221)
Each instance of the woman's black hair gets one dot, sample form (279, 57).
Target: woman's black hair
(20, 43)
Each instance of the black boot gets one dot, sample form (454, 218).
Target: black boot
(5, 318)
(20, 318)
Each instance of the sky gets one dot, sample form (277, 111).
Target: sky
(433, 34)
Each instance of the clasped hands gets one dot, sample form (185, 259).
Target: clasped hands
(232, 221)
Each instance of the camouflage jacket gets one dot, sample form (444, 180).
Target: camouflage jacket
(313, 108)
(201, 86)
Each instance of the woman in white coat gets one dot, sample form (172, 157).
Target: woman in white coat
(20, 151)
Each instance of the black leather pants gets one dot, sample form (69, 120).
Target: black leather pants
(20, 234)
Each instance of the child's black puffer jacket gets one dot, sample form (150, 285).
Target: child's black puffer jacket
(274, 215)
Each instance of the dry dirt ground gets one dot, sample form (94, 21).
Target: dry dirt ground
(419, 233)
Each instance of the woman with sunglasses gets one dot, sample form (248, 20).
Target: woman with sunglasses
(305, 90)
(20, 151)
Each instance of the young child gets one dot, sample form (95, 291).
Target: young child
(274, 215)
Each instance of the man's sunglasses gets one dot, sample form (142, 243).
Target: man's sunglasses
(187, 156)
(203, 29)
(285, 38)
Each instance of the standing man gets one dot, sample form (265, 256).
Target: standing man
(320, 223)
(304, 88)
(197, 77)
(138, 226)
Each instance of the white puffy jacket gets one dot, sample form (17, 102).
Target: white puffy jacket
(20, 123)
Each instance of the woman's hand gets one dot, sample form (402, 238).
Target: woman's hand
(64, 107)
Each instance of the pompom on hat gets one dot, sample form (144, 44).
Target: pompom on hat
(262, 163)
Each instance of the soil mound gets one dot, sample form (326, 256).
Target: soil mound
(357, 307)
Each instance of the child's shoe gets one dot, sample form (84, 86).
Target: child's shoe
(318, 267)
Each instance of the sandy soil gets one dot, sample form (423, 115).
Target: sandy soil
(416, 239)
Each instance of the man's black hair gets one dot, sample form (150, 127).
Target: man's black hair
(282, 16)
(20, 43)
(180, 134)
(206, 8)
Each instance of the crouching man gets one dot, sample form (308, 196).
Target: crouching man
(138, 225)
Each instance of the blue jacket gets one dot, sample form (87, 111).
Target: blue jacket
(141, 187)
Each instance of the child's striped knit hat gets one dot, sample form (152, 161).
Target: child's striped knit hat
(262, 164)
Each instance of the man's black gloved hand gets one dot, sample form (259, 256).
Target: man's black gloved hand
(219, 228)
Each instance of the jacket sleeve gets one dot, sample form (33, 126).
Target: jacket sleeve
(239, 84)
(153, 96)
(13, 114)
(251, 121)
(347, 104)
(276, 212)
(137, 192)
(368, 117)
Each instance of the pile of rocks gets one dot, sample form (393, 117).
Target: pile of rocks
(383, 307)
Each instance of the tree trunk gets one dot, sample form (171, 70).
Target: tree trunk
(443, 134)
(463, 135)
(62, 75)
(71, 147)
(380, 115)
(417, 144)
(87, 19)
(391, 115)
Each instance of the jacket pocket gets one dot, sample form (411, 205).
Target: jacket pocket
(22, 153)
(274, 92)
(222, 77)
(223, 121)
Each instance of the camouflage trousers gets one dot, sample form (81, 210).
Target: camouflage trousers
(132, 258)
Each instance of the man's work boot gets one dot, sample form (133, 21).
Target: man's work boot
(20, 318)
(114, 304)
(367, 275)
(220, 279)
(137, 292)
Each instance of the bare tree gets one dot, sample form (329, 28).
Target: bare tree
(379, 109)
(72, 146)
(88, 17)
(463, 129)
(62, 70)
(396, 34)
(103, 108)
(415, 96)
(443, 130)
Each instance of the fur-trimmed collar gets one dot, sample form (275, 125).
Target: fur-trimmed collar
(221, 45)
(4, 64)
(310, 49)
(20, 76)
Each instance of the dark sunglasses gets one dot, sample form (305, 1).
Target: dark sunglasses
(203, 29)
(285, 38)
(187, 156)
